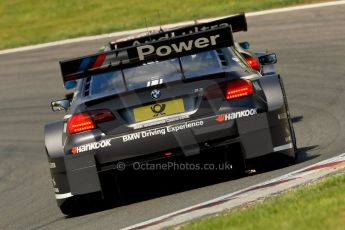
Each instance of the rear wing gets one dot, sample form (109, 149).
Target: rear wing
(150, 52)
(237, 22)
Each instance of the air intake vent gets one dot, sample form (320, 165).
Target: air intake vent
(87, 87)
(222, 58)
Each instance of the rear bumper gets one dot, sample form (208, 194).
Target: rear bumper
(74, 175)
(258, 134)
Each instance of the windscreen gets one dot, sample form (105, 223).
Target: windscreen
(111, 81)
(155, 73)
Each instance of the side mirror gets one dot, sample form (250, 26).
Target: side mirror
(60, 105)
(268, 59)
(244, 45)
(70, 84)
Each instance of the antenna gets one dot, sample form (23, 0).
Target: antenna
(147, 29)
(160, 22)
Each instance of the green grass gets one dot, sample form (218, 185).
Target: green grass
(318, 206)
(25, 22)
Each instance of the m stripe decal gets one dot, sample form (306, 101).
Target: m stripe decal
(84, 63)
(99, 61)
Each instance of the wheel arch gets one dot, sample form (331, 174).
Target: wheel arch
(273, 90)
(53, 138)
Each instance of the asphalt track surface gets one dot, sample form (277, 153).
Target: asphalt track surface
(311, 50)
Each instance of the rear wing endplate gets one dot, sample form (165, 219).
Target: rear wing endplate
(118, 59)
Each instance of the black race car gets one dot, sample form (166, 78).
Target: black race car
(176, 93)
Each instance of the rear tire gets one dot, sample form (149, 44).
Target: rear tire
(81, 204)
(70, 206)
(292, 130)
(293, 138)
(276, 160)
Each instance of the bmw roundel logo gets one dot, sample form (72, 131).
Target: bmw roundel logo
(155, 93)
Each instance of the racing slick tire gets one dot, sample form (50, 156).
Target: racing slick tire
(292, 130)
(279, 159)
(81, 204)
(289, 156)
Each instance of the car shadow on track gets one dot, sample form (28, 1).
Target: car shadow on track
(279, 161)
(303, 154)
(297, 119)
(143, 187)
(137, 186)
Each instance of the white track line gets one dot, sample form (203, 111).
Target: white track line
(294, 8)
(116, 34)
(301, 176)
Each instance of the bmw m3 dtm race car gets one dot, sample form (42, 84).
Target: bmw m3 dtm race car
(174, 93)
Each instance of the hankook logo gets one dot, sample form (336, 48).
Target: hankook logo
(91, 146)
(231, 116)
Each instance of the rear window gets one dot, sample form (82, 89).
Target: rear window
(111, 81)
(152, 74)
(200, 64)
(156, 73)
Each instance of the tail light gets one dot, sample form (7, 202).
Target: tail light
(254, 63)
(239, 88)
(87, 121)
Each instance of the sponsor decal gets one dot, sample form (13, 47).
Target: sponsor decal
(146, 53)
(161, 131)
(91, 146)
(122, 57)
(142, 38)
(131, 137)
(187, 125)
(106, 60)
(154, 82)
(183, 46)
(158, 109)
(143, 134)
(198, 90)
(231, 116)
(115, 59)
(220, 118)
(140, 126)
(192, 31)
